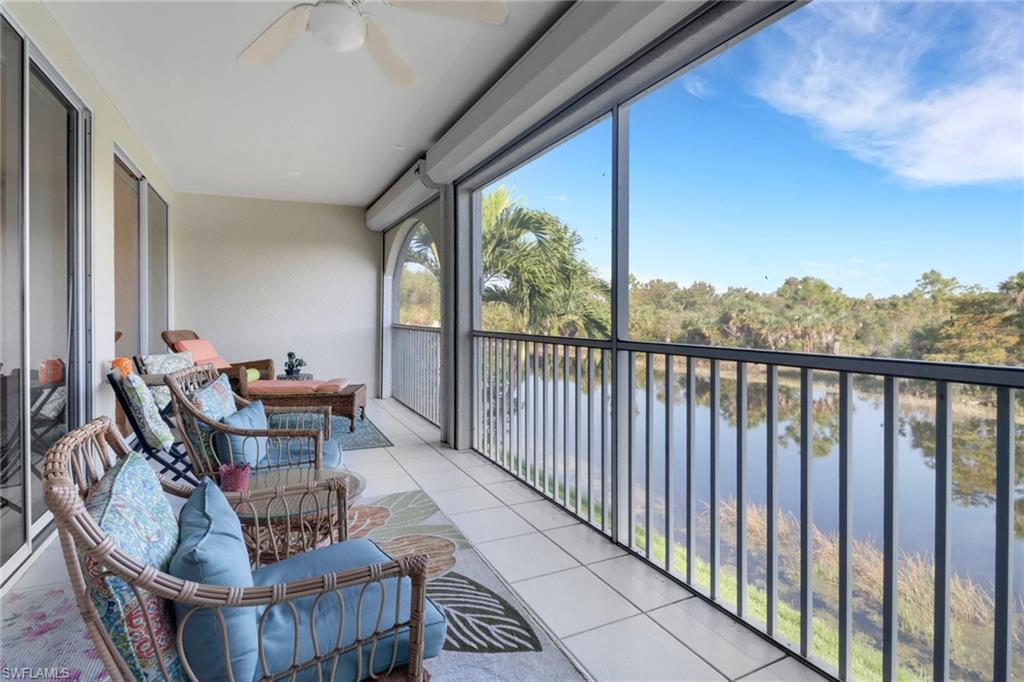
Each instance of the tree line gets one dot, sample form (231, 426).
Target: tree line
(535, 280)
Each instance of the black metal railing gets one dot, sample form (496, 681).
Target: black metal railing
(416, 369)
(545, 411)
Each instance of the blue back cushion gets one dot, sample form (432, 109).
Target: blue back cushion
(232, 449)
(355, 608)
(211, 550)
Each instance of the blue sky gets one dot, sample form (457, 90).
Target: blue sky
(863, 143)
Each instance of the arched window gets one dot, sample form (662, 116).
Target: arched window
(419, 280)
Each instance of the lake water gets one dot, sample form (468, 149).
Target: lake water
(972, 518)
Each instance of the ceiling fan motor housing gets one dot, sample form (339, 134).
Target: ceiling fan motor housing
(337, 25)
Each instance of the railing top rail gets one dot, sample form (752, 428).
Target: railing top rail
(958, 373)
(416, 328)
(582, 342)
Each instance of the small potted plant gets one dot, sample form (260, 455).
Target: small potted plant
(293, 365)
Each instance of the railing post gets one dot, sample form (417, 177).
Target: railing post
(806, 517)
(845, 526)
(943, 501)
(890, 623)
(1005, 488)
(741, 489)
(772, 496)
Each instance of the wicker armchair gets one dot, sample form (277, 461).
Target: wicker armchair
(297, 435)
(74, 468)
(265, 366)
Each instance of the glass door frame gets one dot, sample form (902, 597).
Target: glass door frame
(80, 365)
(145, 188)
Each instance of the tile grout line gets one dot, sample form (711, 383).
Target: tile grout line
(762, 667)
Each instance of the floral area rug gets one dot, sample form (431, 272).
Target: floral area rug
(42, 634)
(490, 635)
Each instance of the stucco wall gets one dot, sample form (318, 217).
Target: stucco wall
(260, 278)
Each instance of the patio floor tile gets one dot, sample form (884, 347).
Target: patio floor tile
(638, 649)
(544, 515)
(426, 464)
(639, 583)
(716, 637)
(573, 601)
(584, 543)
(787, 670)
(489, 474)
(388, 485)
(525, 556)
(491, 524)
(444, 480)
(512, 492)
(464, 459)
(464, 500)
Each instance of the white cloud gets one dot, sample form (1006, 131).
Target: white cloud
(695, 84)
(932, 92)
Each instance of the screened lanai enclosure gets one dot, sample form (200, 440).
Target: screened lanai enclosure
(664, 339)
(738, 388)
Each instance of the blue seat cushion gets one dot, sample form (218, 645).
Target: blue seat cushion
(278, 634)
(211, 551)
(235, 449)
(301, 449)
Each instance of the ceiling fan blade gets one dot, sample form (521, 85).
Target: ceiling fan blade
(277, 37)
(387, 55)
(486, 11)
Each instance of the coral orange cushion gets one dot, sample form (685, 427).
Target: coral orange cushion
(333, 386)
(203, 353)
(283, 387)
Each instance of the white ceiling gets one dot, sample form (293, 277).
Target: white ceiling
(313, 126)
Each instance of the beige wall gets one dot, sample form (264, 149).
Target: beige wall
(260, 278)
(109, 128)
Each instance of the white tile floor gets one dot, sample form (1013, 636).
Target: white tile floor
(619, 618)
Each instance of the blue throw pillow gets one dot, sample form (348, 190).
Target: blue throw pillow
(211, 550)
(233, 449)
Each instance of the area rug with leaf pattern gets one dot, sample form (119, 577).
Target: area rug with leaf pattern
(490, 635)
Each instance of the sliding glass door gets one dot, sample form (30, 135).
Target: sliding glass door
(141, 280)
(51, 222)
(13, 529)
(43, 240)
(126, 254)
(157, 280)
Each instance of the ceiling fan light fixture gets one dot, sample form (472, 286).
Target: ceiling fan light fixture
(337, 25)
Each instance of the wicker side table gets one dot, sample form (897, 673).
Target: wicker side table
(291, 523)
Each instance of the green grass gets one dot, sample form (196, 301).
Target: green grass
(866, 660)
(970, 619)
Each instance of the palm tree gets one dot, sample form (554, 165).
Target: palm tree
(1013, 289)
(532, 269)
(423, 251)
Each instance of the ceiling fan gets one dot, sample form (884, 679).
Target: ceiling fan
(343, 26)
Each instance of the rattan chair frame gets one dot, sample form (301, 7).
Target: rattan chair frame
(192, 422)
(76, 463)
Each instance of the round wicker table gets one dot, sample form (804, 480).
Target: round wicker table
(302, 516)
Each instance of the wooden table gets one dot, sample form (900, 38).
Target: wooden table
(352, 399)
